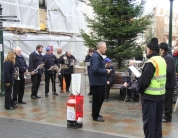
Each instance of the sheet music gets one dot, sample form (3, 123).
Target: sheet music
(135, 71)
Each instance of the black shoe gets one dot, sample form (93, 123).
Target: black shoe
(37, 96)
(14, 106)
(33, 97)
(10, 108)
(46, 95)
(67, 90)
(99, 119)
(21, 102)
(55, 94)
(165, 120)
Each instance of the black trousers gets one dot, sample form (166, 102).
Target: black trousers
(107, 91)
(18, 89)
(168, 104)
(131, 92)
(60, 78)
(152, 118)
(67, 79)
(35, 79)
(8, 98)
(47, 81)
(98, 99)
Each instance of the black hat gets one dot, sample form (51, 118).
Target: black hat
(164, 46)
(153, 45)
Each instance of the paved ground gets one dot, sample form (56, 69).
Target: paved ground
(11, 128)
(48, 116)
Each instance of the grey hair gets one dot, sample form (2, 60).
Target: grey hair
(99, 44)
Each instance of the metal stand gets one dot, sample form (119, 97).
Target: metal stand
(126, 74)
(42, 96)
(176, 105)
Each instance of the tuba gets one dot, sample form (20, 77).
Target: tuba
(39, 67)
(16, 73)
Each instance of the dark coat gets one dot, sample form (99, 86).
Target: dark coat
(8, 72)
(49, 60)
(70, 68)
(111, 75)
(21, 64)
(145, 80)
(98, 71)
(87, 59)
(35, 60)
(170, 72)
(128, 78)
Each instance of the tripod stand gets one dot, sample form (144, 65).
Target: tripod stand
(126, 74)
(42, 96)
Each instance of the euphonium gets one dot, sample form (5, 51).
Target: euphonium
(27, 74)
(55, 67)
(39, 67)
(16, 73)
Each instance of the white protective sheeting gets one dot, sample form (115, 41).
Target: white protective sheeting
(75, 45)
(66, 16)
(25, 10)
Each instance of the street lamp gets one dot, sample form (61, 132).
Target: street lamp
(170, 24)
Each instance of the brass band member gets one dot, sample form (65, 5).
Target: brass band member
(58, 55)
(19, 84)
(50, 60)
(8, 72)
(35, 59)
(67, 59)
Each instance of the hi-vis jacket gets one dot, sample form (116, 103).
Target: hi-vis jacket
(157, 85)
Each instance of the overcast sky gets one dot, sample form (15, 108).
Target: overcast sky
(160, 3)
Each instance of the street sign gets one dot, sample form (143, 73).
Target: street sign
(9, 20)
(8, 16)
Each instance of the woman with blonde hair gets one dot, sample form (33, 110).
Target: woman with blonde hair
(9, 79)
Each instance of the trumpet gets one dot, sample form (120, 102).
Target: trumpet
(39, 67)
(16, 73)
(55, 67)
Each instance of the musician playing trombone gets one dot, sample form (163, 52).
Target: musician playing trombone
(19, 82)
(50, 60)
(35, 59)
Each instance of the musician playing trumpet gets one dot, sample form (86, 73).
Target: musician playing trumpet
(50, 71)
(19, 83)
(35, 59)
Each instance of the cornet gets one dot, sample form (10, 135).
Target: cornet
(55, 67)
(16, 73)
(39, 67)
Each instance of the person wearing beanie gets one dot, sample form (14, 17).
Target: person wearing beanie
(110, 77)
(170, 82)
(151, 86)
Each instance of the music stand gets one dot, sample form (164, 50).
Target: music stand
(42, 96)
(126, 74)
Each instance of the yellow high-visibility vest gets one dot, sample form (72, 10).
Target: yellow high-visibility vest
(158, 82)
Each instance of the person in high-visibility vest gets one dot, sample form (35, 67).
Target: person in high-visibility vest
(151, 86)
(170, 82)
